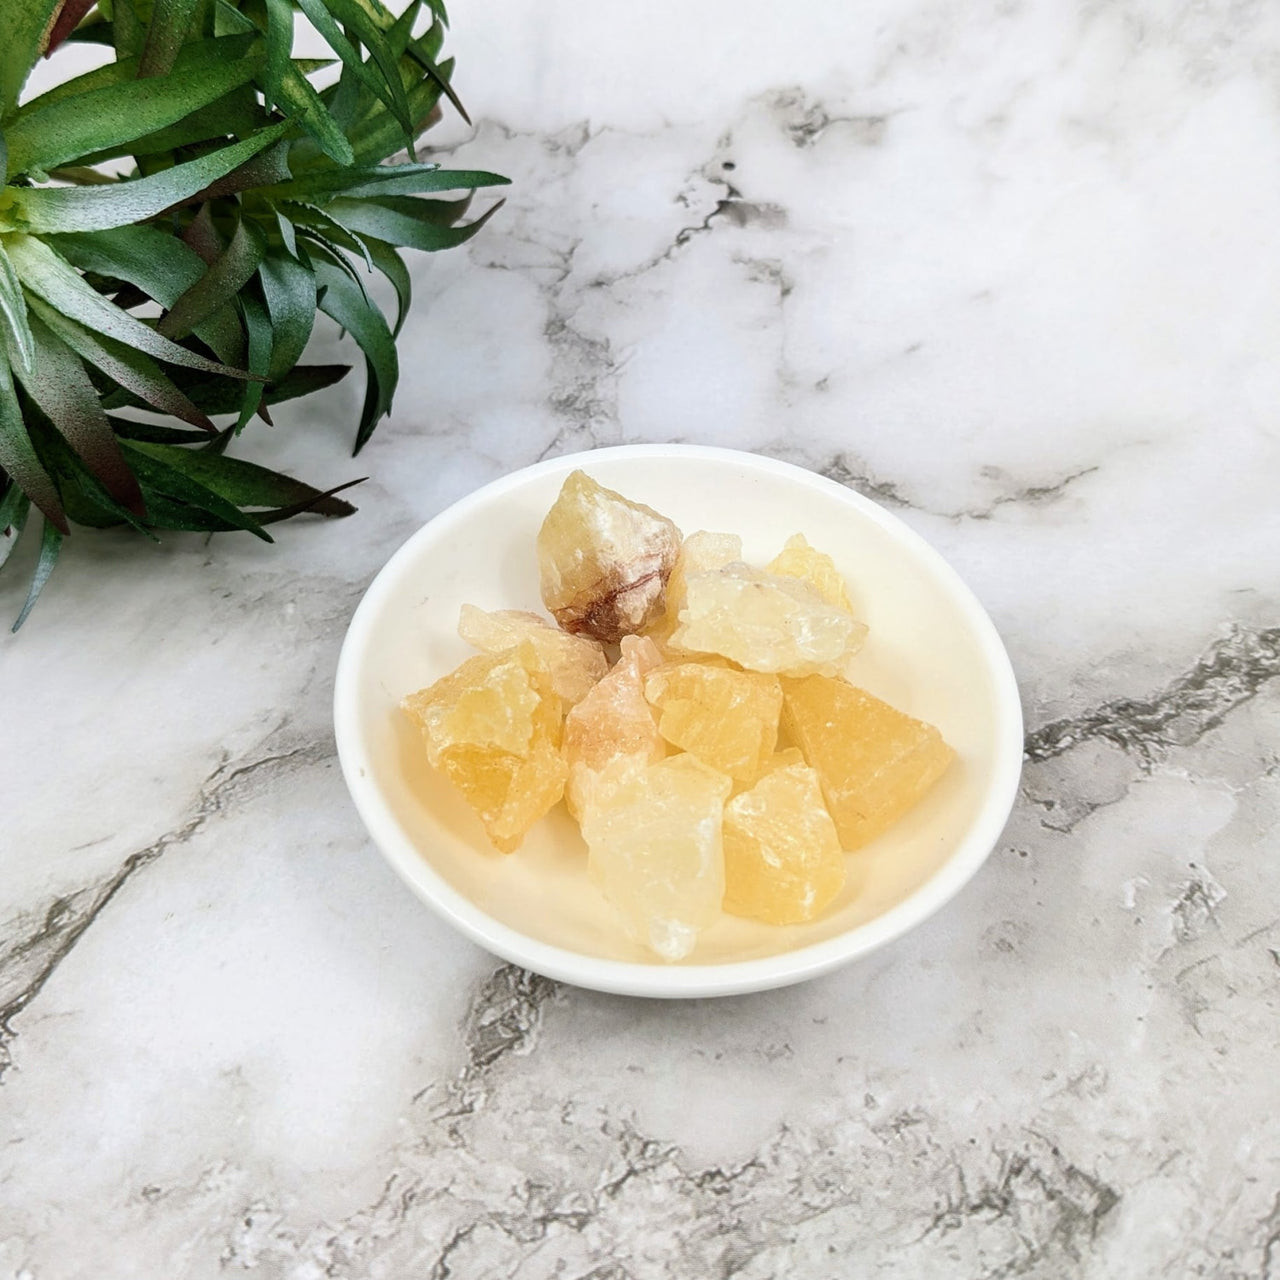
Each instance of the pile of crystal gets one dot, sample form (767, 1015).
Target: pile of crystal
(721, 762)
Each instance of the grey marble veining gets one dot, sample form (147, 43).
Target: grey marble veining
(1008, 269)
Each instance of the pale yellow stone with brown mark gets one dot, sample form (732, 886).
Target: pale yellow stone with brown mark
(604, 560)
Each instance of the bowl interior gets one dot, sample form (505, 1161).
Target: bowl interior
(930, 651)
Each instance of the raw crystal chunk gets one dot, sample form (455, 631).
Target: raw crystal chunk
(604, 560)
(575, 663)
(727, 718)
(489, 701)
(782, 857)
(612, 720)
(700, 552)
(765, 622)
(875, 762)
(653, 831)
(492, 728)
(798, 559)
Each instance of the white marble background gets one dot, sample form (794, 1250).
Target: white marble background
(1011, 268)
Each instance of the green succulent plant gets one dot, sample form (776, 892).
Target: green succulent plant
(170, 224)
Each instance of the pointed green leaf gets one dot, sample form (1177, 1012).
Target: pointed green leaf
(358, 14)
(50, 545)
(380, 135)
(257, 324)
(279, 47)
(58, 383)
(237, 114)
(290, 292)
(170, 25)
(201, 235)
(159, 470)
(346, 99)
(297, 96)
(165, 512)
(87, 501)
(271, 166)
(13, 311)
(409, 184)
(130, 368)
(219, 285)
(441, 77)
(400, 32)
(162, 266)
(52, 278)
(110, 117)
(287, 236)
(13, 516)
(430, 42)
(218, 443)
(344, 303)
(440, 213)
(246, 484)
(132, 429)
(326, 250)
(218, 395)
(126, 68)
(405, 221)
(99, 208)
(312, 216)
(325, 503)
(389, 262)
(27, 24)
(387, 86)
(382, 180)
(18, 456)
(370, 22)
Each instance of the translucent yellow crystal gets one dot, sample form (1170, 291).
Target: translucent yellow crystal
(782, 858)
(612, 720)
(765, 622)
(727, 718)
(700, 552)
(798, 559)
(575, 663)
(604, 560)
(493, 727)
(875, 762)
(654, 835)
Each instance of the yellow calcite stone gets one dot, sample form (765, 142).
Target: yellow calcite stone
(700, 552)
(653, 831)
(875, 762)
(604, 560)
(765, 622)
(574, 663)
(727, 718)
(493, 728)
(614, 719)
(782, 858)
(798, 559)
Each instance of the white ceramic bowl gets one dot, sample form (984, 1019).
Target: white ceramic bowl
(931, 651)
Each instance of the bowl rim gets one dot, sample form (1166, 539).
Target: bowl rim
(656, 979)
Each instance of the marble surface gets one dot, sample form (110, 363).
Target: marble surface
(1009, 268)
